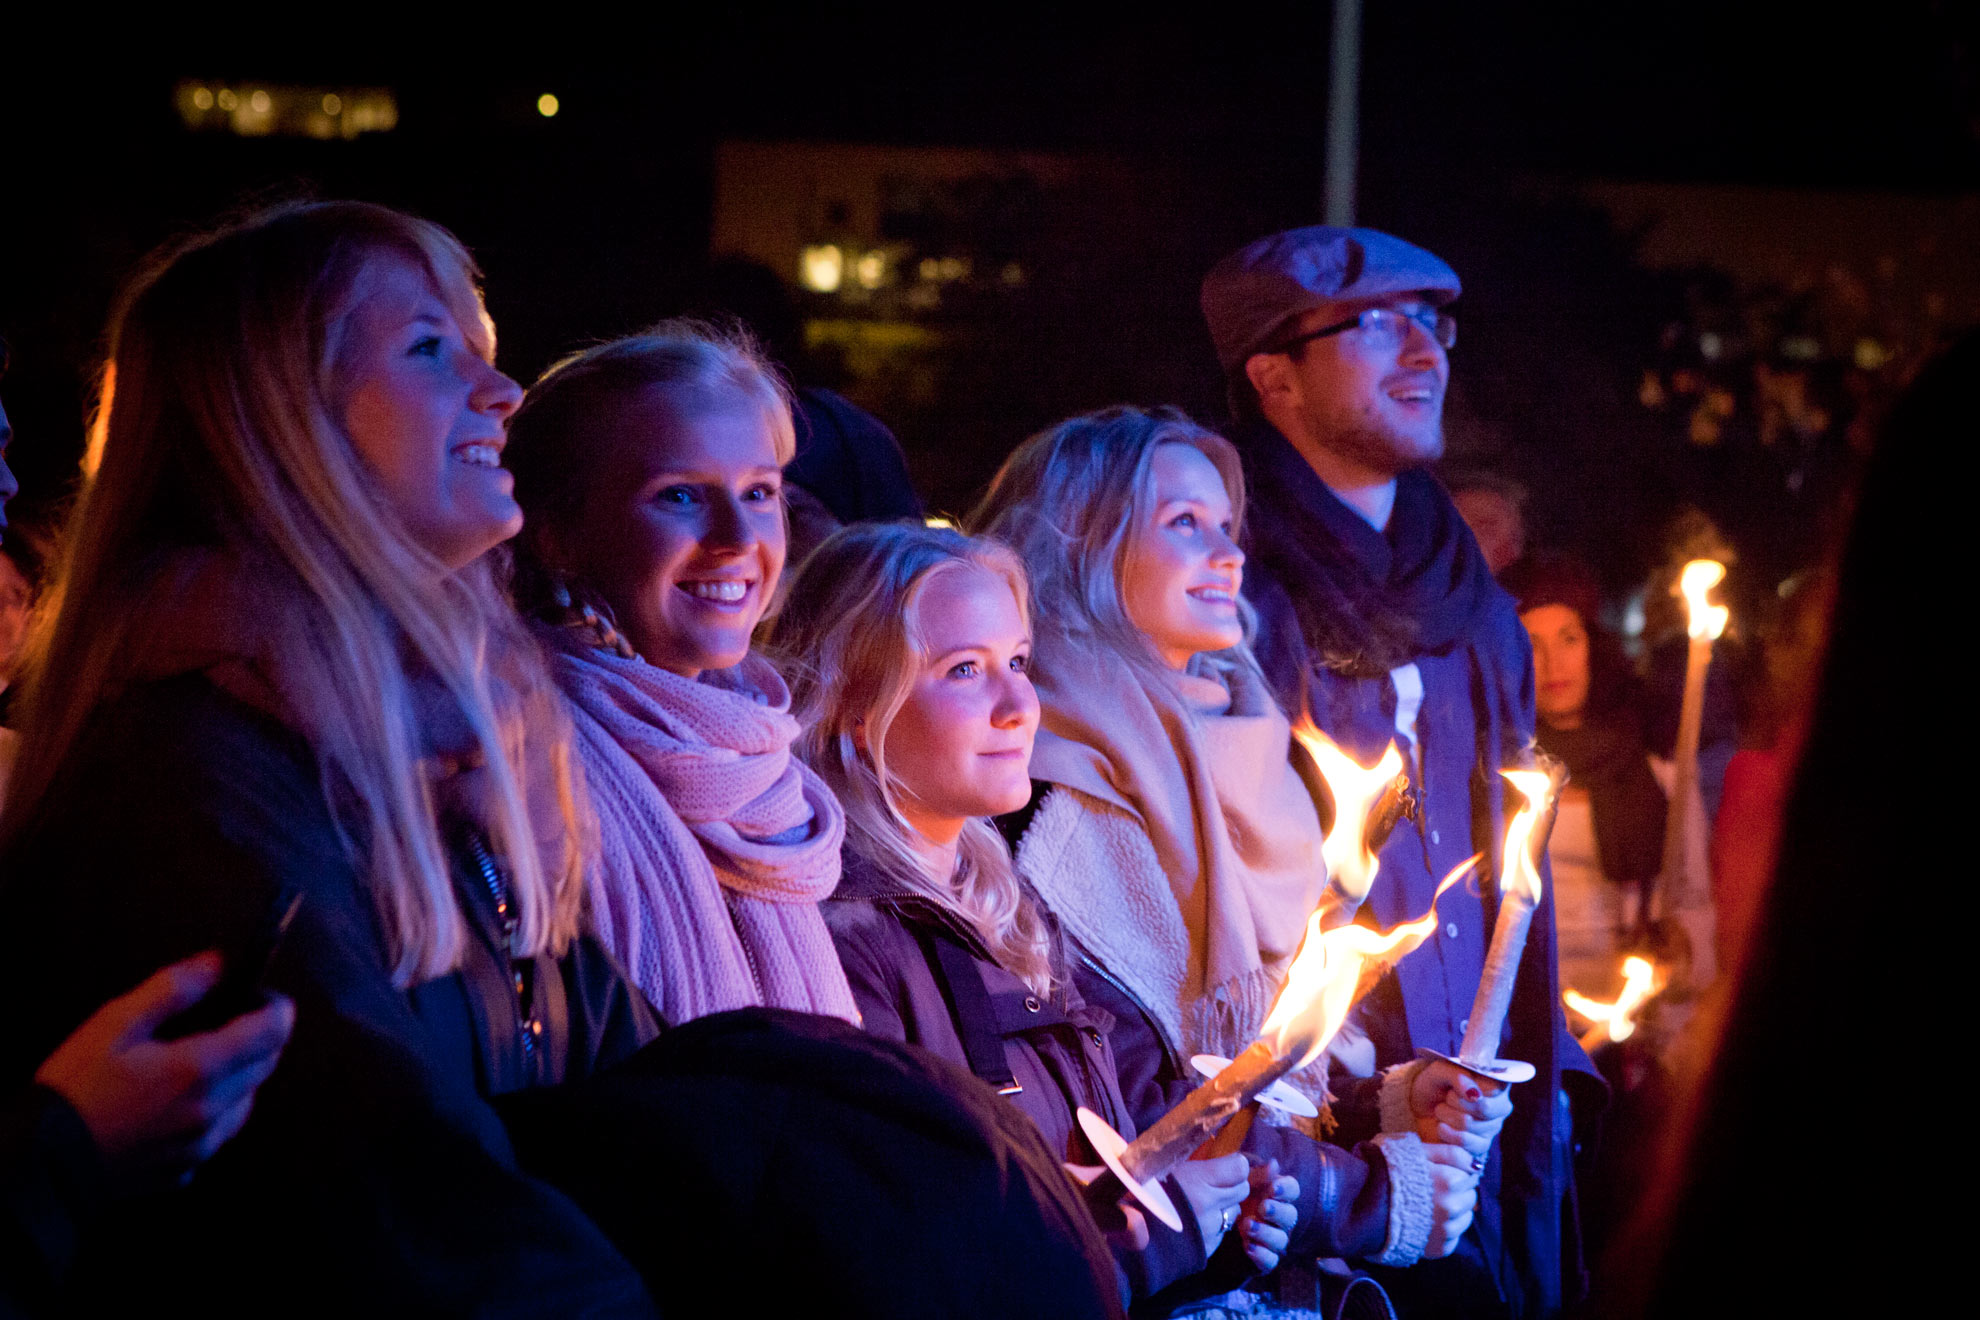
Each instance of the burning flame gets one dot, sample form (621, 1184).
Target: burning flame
(1616, 1020)
(1350, 865)
(1325, 973)
(1707, 620)
(1522, 875)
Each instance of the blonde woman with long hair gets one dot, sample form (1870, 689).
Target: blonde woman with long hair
(278, 706)
(909, 647)
(1173, 830)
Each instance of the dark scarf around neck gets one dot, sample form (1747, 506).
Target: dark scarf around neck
(1606, 755)
(1365, 600)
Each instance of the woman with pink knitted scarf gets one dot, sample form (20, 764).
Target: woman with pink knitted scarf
(650, 474)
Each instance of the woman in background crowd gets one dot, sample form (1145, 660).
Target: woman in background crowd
(651, 471)
(278, 668)
(1608, 840)
(1172, 832)
(908, 647)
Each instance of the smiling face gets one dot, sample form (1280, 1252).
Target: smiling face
(427, 414)
(960, 747)
(1183, 572)
(1560, 663)
(1380, 409)
(683, 525)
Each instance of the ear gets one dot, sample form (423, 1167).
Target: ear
(1270, 374)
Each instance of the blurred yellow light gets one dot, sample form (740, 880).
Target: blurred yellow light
(202, 98)
(258, 102)
(939, 522)
(821, 267)
(227, 100)
(333, 104)
(547, 106)
(870, 269)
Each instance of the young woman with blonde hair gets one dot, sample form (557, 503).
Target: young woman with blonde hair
(279, 707)
(651, 471)
(908, 646)
(1173, 829)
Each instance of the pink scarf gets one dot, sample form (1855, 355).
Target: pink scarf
(715, 845)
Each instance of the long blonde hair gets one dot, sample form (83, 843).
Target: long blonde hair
(847, 639)
(1068, 501)
(214, 431)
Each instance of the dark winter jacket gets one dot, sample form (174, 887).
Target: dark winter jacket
(51, 1182)
(1338, 605)
(920, 975)
(374, 1175)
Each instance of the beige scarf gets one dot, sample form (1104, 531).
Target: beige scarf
(1203, 761)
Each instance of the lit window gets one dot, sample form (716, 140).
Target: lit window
(275, 110)
(547, 106)
(870, 269)
(821, 267)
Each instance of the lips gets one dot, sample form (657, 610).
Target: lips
(1218, 594)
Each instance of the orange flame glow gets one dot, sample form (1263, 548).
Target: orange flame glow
(1707, 620)
(1617, 1020)
(1325, 973)
(1521, 874)
(1351, 866)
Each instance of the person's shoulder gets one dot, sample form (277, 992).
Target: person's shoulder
(182, 749)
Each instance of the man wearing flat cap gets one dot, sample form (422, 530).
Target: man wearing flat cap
(1378, 616)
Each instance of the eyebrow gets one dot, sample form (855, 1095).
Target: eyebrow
(689, 474)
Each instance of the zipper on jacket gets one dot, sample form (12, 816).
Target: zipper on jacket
(520, 969)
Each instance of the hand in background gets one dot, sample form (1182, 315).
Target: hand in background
(155, 1106)
(1270, 1212)
(1458, 1108)
(1215, 1190)
(1453, 1197)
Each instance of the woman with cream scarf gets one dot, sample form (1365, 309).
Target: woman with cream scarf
(1173, 831)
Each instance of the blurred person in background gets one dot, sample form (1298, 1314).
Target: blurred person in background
(1494, 508)
(1773, 718)
(1608, 841)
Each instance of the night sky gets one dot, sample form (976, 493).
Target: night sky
(588, 223)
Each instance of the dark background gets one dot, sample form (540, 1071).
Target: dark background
(1477, 123)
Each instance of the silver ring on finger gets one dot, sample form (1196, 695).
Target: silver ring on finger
(1230, 1217)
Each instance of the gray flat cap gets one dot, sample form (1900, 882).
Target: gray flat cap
(1254, 291)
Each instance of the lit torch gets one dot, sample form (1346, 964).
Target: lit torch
(1332, 968)
(1616, 1021)
(1368, 802)
(1519, 895)
(1705, 622)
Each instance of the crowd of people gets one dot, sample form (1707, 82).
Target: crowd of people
(570, 898)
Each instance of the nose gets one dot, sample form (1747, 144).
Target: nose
(1225, 552)
(1017, 702)
(495, 394)
(730, 530)
(1420, 348)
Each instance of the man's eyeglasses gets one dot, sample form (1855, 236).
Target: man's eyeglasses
(1382, 328)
